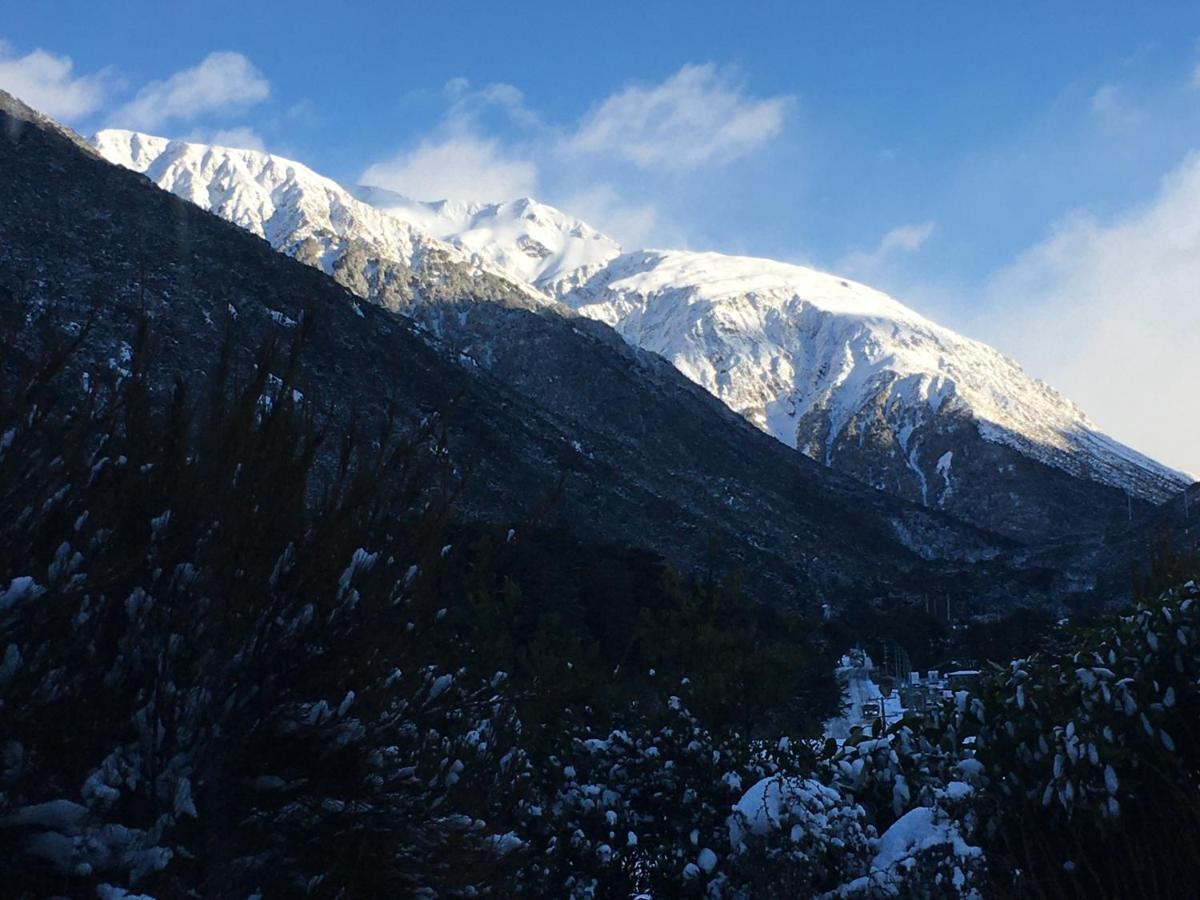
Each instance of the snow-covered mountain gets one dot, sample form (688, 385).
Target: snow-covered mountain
(527, 240)
(846, 374)
(312, 218)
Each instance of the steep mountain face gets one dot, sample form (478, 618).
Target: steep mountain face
(528, 395)
(846, 374)
(854, 379)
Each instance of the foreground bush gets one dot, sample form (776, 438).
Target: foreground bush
(1074, 774)
(241, 655)
(211, 681)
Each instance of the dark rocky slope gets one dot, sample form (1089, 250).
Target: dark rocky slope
(527, 395)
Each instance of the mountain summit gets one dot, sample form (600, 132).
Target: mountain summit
(525, 239)
(551, 419)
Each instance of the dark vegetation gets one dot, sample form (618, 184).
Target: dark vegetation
(248, 673)
(227, 670)
(930, 641)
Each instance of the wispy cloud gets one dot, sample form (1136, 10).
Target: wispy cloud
(47, 82)
(490, 144)
(459, 167)
(899, 241)
(1113, 108)
(701, 114)
(242, 137)
(459, 160)
(1109, 313)
(222, 82)
(630, 223)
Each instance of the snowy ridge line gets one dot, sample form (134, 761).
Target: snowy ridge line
(296, 210)
(523, 238)
(812, 359)
(801, 353)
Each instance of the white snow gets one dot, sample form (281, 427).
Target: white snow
(278, 199)
(764, 807)
(525, 239)
(919, 829)
(776, 342)
(63, 815)
(956, 791)
(20, 588)
(440, 685)
(503, 844)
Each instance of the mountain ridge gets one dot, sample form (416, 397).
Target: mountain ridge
(650, 459)
(846, 374)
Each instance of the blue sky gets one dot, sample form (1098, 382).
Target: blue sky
(1019, 171)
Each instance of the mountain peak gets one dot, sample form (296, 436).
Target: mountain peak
(300, 212)
(855, 379)
(528, 240)
(842, 372)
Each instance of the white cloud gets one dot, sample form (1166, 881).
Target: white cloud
(242, 137)
(602, 207)
(45, 82)
(221, 82)
(490, 145)
(903, 239)
(468, 106)
(456, 87)
(1110, 315)
(458, 167)
(698, 115)
(458, 161)
(1113, 108)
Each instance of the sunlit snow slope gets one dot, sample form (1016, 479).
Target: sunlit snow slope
(525, 239)
(842, 372)
(826, 365)
(307, 216)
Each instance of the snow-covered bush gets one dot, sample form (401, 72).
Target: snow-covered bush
(663, 807)
(1072, 773)
(794, 836)
(1083, 773)
(1090, 757)
(220, 676)
(642, 809)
